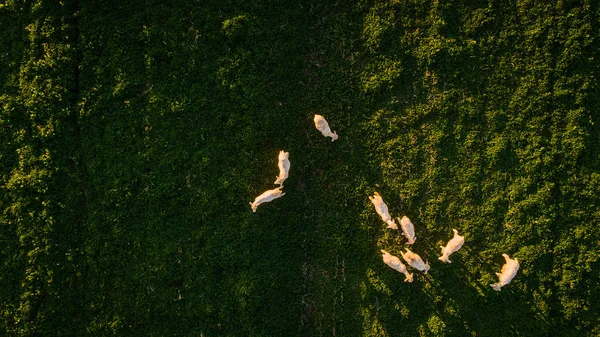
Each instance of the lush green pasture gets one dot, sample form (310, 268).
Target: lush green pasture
(133, 134)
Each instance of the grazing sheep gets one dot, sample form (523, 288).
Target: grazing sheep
(396, 264)
(266, 197)
(415, 261)
(452, 246)
(382, 210)
(284, 168)
(408, 229)
(323, 126)
(509, 270)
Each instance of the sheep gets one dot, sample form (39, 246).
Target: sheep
(284, 167)
(323, 126)
(266, 197)
(415, 261)
(509, 270)
(396, 264)
(382, 210)
(408, 229)
(453, 245)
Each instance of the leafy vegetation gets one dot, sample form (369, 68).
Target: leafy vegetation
(135, 133)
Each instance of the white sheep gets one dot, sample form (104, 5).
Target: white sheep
(453, 245)
(284, 167)
(382, 209)
(323, 126)
(415, 261)
(266, 197)
(509, 270)
(408, 229)
(396, 264)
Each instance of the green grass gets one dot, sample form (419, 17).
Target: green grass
(135, 133)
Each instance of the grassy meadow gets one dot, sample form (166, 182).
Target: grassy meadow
(133, 134)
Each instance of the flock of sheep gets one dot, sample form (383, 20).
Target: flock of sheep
(509, 269)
